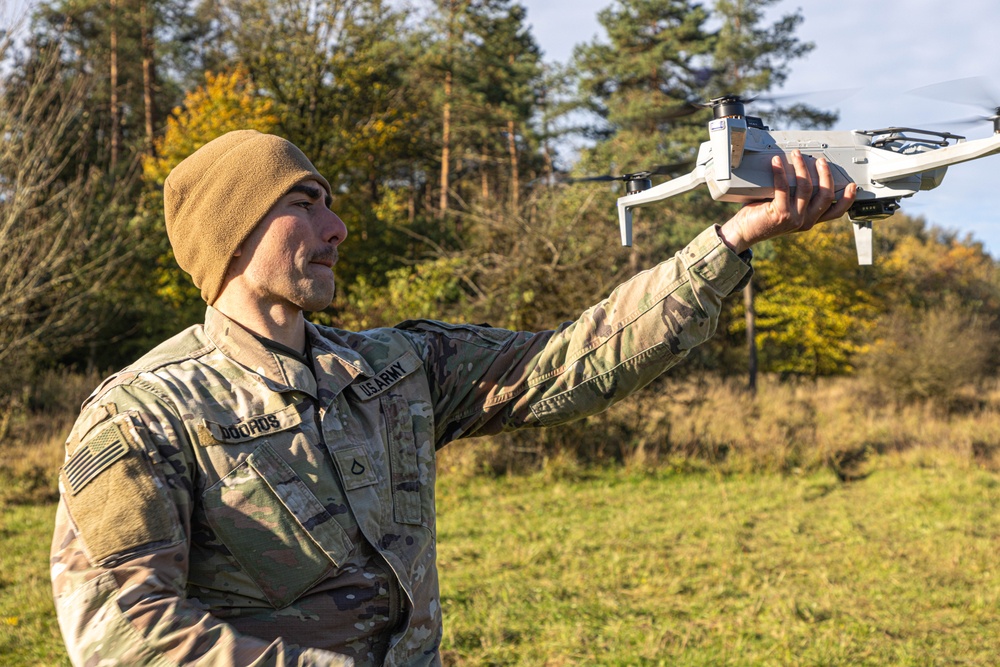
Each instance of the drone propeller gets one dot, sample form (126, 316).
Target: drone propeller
(660, 170)
(972, 91)
(691, 107)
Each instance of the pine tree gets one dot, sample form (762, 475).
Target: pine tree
(508, 62)
(652, 66)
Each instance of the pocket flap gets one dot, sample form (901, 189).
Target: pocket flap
(274, 526)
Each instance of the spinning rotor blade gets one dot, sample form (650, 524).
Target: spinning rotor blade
(660, 170)
(672, 168)
(593, 179)
(964, 122)
(971, 91)
(684, 110)
(830, 97)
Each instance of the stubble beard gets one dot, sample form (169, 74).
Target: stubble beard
(318, 296)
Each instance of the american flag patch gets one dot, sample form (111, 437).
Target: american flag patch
(94, 457)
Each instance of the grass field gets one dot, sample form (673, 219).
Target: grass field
(631, 569)
(625, 567)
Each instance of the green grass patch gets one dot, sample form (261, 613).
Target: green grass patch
(620, 568)
(29, 634)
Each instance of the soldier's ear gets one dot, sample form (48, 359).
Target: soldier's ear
(238, 251)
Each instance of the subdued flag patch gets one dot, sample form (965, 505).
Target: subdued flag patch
(93, 458)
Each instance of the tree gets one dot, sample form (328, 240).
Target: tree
(815, 308)
(754, 58)
(651, 67)
(339, 74)
(63, 231)
(124, 45)
(939, 324)
(505, 88)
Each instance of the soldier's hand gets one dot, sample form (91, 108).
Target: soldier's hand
(786, 214)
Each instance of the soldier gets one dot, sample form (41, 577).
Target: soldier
(258, 490)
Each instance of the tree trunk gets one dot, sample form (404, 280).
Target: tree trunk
(515, 185)
(484, 177)
(148, 76)
(115, 111)
(445, 144)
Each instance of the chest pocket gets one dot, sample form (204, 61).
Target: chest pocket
(274, 526)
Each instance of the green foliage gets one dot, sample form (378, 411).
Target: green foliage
(422, 291)
(636, 82)
(814, 308)
(363, 85)
(339, 75)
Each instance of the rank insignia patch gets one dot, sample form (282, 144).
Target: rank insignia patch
(94, 457)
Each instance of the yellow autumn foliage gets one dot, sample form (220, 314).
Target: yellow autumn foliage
(225, 103)
(813, 313)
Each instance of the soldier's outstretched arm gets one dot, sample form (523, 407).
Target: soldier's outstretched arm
(120, 552)
(488, 380)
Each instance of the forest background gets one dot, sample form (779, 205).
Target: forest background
(445, 136)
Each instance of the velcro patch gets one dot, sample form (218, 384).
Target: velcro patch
(116, 498)
(386, 377)
(356, 469)
(256, 426)
(93, 458)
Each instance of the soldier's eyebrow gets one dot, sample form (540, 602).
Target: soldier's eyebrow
(311, 192)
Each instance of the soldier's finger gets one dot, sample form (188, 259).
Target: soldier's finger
(841, 206)
(781, 194)
(803, 185)
(823, 196)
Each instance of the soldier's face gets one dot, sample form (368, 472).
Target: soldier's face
(288, 258)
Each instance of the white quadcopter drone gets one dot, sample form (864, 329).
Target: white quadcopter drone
(887, 165)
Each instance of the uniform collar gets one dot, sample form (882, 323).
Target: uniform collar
(338, 364)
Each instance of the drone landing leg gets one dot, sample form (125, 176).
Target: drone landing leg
(863, 241)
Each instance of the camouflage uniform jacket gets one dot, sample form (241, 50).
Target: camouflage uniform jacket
(226, 505)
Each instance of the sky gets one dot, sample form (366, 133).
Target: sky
(883, 48)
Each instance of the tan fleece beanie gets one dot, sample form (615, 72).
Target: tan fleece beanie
(215, 197)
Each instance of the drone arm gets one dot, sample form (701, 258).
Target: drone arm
(901, 166)
(662, 191)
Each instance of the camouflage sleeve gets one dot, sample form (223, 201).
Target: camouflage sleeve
(120, 551)
(486, 380)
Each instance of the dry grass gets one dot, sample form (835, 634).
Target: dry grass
(695, 423)
(33, 429)
(698, 423)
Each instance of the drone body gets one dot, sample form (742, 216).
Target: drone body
(887, 165)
